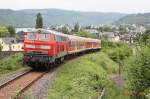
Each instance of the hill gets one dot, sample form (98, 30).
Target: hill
(143, 19)
(26, 18)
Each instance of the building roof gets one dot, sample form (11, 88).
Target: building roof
(9, 40)
(24, 29)
(109, 34)
(93, 31)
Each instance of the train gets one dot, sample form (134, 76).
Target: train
(44, 48)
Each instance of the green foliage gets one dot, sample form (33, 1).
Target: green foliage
(143, 40)
(83, 78)
(119, 54)
(107, 29)
(26, 18)
(85, 34)
(11, 63)
(122, 30)
(77, 27)
(11, 30)
(117, 51)
(64, 30)
(138, 70)
(106, 44)
(115, 92)
(135, 19)
(4, 32)
(146, 38)
(1, 48)
(39, 21)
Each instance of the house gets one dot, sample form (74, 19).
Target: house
(57, 27)
(111, 36)
(23, 29)
(128, 38)
(10, 44)
(93, 31)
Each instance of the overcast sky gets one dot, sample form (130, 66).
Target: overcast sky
(124, 6)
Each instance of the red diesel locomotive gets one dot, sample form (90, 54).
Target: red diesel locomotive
(43, 48)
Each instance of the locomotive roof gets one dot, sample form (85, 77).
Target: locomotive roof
(71, 37)
(48, 31)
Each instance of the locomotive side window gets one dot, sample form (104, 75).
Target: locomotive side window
(44, 36)
(31, 36)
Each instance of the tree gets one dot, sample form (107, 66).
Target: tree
(76, 27)
(143, 39)
(39, 21)
(100, 29)
(145, 36)
(107, 29)
(122, 30)
(85, 34)
(120, 54)
(138, 70)
(4, 32)
(1, 48)
(65, 30)
(11, 30)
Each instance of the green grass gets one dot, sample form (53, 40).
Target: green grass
(10, 64)
(83, 78)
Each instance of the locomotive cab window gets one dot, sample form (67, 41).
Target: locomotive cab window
(44, 36)
(31, 36)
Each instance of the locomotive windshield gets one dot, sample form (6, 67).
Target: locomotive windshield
(31, 36)
(41, 36)
(44, 36)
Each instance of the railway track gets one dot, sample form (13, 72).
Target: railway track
(7, 53)
(16, 86)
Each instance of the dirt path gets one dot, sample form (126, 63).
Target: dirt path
(118, 80)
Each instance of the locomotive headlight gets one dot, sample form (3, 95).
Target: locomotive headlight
(45, 47)
(30, 46)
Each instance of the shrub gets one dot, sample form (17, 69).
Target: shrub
(83, 78)
(11, 63)
(138, 70)
(4, 32)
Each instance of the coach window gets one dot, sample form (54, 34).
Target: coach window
(63, 38)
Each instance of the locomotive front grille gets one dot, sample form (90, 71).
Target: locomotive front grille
(37, 57)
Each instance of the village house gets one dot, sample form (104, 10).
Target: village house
(93, 31)
(111, 36)
(23, 29)
(10, 44)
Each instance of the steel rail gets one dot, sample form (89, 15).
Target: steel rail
(13, 79)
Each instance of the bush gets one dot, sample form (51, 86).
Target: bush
(11, 63)
(120, 54)
(86, 34)
(138, 70)
(4, 32)
(109, 45)
(1, 48)
(83, 78)
(11, 30)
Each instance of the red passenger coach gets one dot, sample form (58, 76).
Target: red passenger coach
(42, 48)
